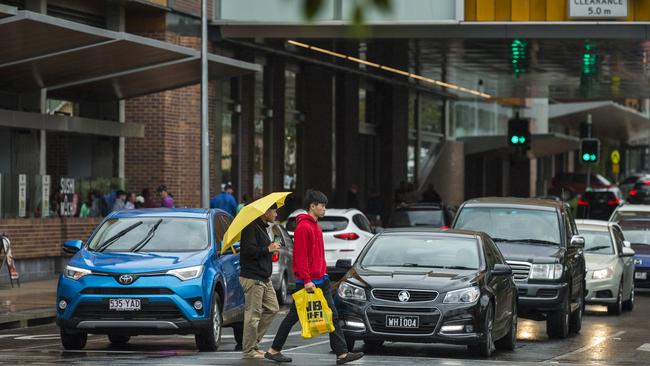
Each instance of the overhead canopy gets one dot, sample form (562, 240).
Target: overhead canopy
(541, 144)
(89, 63)
(6, 11)
(609, 119)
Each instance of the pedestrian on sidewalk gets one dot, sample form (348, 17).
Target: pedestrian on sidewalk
(166, 199)
(120, 200)
(310, 269)
(225, 201)
(257, 249)
(130, 201)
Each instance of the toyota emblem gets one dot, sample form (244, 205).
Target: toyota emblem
(404, 296)
(126, 279)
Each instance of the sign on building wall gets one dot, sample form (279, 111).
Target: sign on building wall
(45, 189)
(597, 9)
(22, 195)
(67, 206)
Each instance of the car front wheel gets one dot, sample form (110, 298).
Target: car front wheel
(73, 341)
(629, 304)
(509, 342)
(617, 307)
(485, 347)
(208, 339)
(283, 292)
(557, 322)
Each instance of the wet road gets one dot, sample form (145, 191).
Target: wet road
(604, 340)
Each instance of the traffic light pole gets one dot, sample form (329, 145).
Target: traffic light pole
(588, 165)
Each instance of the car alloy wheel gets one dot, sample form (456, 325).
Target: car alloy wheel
(617, 308)
(283, 295)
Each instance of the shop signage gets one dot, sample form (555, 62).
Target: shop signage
(22, 195)
(67, 207)
(597, 9)
(45, 200)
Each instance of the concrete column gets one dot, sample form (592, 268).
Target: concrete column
(42, 167)
(278, 120)
(538, 112)
(37, 6)
(315, 133)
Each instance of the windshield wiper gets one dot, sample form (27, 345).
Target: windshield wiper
(147, 238)
(101, 247)
(593, 249)
(527, 241)
(458, 267)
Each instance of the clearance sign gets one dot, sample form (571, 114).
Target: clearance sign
(597, 9)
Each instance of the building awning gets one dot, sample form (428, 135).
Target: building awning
(609, 119)
(89, 63)
(58, 123)
(7, 11)
(541, 144)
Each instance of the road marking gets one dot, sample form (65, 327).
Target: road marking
(39, 337)
(10, 335)
(599, 341)
(645, 348)
(306, 346)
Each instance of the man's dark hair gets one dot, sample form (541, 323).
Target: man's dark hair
(314, 197)
(120, 193)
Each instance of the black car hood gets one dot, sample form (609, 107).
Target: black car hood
(441, 280)
(531, 252)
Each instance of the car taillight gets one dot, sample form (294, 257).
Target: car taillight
(275, 257)
(614, 202)
(347, 236)
(633, 192)
(647, 183)
(444, 227)
(582, 202)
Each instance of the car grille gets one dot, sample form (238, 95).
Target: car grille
(520, 270)
(415, 296)
(149, 311)
(126, 291)
(428, 320)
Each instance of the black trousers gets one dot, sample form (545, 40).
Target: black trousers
(337, 340)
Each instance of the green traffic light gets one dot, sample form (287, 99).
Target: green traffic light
(522, 140)
(514, 139)
(586, 157)
(593, 157)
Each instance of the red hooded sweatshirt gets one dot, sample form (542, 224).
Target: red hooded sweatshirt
(308, 250)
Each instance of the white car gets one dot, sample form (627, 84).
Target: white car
(610, 266)
(345, 233)
(631, 212)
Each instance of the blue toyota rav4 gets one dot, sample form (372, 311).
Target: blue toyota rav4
(154, 271)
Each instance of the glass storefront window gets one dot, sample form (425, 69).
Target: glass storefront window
(431, 111)
(260, 118)
(290, 146)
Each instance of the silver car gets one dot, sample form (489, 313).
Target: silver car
(610, 267)
(282, 276)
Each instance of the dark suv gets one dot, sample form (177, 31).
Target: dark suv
(540, 242)
(432, 215)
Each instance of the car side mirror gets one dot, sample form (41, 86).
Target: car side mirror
(578, 241)
(72, 246)
(628, 252)
(501, 270)
(344, 264)
(627, 244)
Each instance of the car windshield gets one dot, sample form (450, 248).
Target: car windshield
(630, 215)
(512, 224)
(424, 251)
(327, 223)
(597, 241)
(637, 236)
(408, 218)
(154, 234)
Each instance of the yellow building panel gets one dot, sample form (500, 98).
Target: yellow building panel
(502, 10)
(159, 2)
(520, 10)
(538, 10)
(641, 10)
(470, 10)
(556, 10)
(485, 10)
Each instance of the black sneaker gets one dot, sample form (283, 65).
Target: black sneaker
(238, 347)
(351, 356)
(278, 357)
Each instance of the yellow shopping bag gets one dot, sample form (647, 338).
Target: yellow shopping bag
(314, 313)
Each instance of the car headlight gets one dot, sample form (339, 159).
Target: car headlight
(187, 273)
(603, 274)
(75, 273)
(349, 291)
(548, 271)
(462, 296)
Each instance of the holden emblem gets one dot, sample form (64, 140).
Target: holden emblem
(126, 279)
(404, 296)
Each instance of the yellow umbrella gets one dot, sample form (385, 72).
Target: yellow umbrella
(248, 214)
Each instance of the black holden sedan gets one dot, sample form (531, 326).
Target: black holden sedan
(429, 286)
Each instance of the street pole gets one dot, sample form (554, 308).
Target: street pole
(205, 141)
(589, 164)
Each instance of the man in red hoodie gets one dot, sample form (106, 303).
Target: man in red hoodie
(310, 270)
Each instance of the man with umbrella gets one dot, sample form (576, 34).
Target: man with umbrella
(257, 249)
